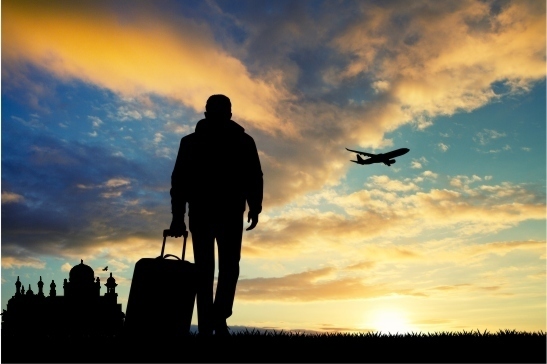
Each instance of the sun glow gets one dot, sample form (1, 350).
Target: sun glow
(391, 322)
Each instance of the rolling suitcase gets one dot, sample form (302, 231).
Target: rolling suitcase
(161, 296)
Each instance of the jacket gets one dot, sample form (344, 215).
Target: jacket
(217, 171)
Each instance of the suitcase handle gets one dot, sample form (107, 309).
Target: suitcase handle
(167, 233)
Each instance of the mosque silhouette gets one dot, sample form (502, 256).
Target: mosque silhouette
(82, 309)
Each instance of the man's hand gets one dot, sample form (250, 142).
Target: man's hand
(253, 219)
(178, 228)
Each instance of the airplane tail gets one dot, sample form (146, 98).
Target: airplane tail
(359, 159)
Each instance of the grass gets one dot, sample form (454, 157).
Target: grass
(504, 346)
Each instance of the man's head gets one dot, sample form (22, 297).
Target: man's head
(218, 107)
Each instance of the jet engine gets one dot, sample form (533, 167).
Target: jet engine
(391, 161)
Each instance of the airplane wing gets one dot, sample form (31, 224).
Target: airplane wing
(362, 153)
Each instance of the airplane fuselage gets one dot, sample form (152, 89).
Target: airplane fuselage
(393, 153)
(386, 158)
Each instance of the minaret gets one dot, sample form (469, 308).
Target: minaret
(22, 291)
(111, 286)
(52, 292)
(65, 287)
(40, 287)
(18, 287)
(98, 286)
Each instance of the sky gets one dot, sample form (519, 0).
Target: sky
(97, 95)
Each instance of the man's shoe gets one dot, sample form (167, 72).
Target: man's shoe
(221, 329)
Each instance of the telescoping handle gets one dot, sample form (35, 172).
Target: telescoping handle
(167, 233)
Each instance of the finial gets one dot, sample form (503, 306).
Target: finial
(111, 274)
(40, 278)
(81, 261)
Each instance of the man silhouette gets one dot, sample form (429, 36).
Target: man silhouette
(217, 171)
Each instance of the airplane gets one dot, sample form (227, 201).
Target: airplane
(105, 268)
(386, 158)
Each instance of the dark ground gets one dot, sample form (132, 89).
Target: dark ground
(281, 347)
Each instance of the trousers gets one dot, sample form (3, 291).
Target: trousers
(227, 230)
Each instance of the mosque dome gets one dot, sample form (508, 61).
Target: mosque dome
(81, 273)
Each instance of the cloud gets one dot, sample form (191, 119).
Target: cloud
(71, 216)
(117, 182)
(398, 72)
(505, 247)
(471, 208)
(11, 197)
(291, 106)
(432, 75)
(443, 147)
(430, 175)
(362, 265)
(178, 129)
(118, 266)
(385, 183)
(9, 262)
(96, 122)
(484, 137)
(313, 285)
(464, 181)
(66, 267)
(158, 137)
(115, 187)
(186, 64)
(419, 163)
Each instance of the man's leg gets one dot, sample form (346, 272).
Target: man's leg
(229, 236)
(203, 241)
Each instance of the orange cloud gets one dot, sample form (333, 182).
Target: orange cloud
(306, 286)
(9, 262)
(369, 215)
(447, 55)
(11, 197)
(433, 68)
(142, 54)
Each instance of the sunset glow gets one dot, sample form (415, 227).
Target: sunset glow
(97, 95)
(392, 322)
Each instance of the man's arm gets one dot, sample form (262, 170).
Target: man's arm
(179, 193)
(255, 185)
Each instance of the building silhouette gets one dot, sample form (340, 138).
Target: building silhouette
(82, 309)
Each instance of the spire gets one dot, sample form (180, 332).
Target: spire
(52, 292)
(29, 292)
(18, 287)
(98, 286)
(40, 287)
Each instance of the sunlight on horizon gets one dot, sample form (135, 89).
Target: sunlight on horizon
(391, 321)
